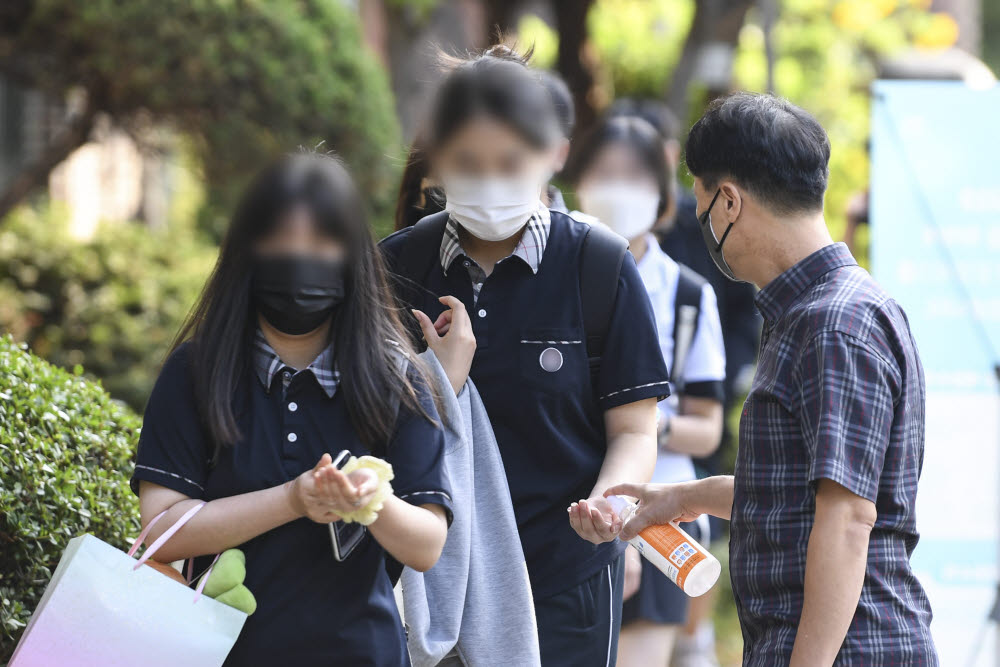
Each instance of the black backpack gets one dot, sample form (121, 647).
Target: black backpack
(600, 265)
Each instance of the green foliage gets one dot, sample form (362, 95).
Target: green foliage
(246, 79)
(111, 304)
(65, 460)
(826, 53)
(826, 60)
(640, 41)
(637, 43)
(543, 40)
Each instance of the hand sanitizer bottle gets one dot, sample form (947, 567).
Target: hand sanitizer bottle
(672, 551)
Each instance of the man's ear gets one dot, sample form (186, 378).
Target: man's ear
(731, 200)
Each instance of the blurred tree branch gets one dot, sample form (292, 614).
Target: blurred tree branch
(718, 23)
(407, 37)
(71, 136)
(245, 80)
(575, 64)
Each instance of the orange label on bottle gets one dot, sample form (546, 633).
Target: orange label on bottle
(676, 547)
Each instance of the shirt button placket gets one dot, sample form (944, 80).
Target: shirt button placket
(480, 328)
(290, 418)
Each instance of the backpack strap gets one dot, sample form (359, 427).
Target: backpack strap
(421, 250)
(600, 265)
(414, 263)
(687, 315)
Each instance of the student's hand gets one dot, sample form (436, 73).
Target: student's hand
(452, 340)
(658, 504)
(594, 521)
(345, 492)
(324, 492)
(633, 573)
(308, 499)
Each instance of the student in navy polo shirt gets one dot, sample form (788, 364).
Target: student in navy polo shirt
(622, 180)
(291, 356)
(823, 500)
(514, 266)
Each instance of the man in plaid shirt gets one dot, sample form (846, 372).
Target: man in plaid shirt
(832, 433)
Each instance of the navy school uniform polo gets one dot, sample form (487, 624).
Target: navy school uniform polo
(310, 607)
(549, 424)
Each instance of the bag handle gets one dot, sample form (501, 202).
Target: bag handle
(167, 534)
(145, 532)
(162, 539)
(204, 577)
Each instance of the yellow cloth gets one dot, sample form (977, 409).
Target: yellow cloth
(383, 470)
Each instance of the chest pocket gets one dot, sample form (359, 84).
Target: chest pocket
(554, 359)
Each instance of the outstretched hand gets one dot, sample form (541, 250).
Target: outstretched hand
(658, 504)
(594, 520)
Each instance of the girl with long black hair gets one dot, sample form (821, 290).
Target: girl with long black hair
(498, 255)
(292, 355)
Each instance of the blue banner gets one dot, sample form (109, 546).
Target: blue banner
(935, 236)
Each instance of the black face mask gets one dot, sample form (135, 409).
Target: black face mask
(715, 245)
(297, 293)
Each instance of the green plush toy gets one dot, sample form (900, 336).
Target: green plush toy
(225, 582)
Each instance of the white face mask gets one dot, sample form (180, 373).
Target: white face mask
(628, 209)
(492, 208)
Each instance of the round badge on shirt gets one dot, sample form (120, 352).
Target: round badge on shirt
(550, 359)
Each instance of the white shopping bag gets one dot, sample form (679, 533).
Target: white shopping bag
(104, 608)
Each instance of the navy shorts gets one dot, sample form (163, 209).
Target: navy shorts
(579, 627)
(658, 599)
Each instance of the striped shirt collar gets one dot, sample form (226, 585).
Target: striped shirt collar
(268, 363)
(529, 249)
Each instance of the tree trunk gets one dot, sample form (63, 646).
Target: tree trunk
(769, 16)
(574, 63)
(501, 16)
(716, 24)
(72, 136)
(968, 14)
(406, 40)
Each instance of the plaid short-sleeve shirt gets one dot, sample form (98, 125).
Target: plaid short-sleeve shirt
(839, 395)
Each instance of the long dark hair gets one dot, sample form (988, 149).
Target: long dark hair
(636, 134)
(366, 332)
(415, 201)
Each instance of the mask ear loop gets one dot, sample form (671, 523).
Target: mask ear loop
(724, 235)
(706, 219)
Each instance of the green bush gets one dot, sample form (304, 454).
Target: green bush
(65, 459)
(112, 304)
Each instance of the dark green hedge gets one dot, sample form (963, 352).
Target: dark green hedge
(65, 459)
(112, 304)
